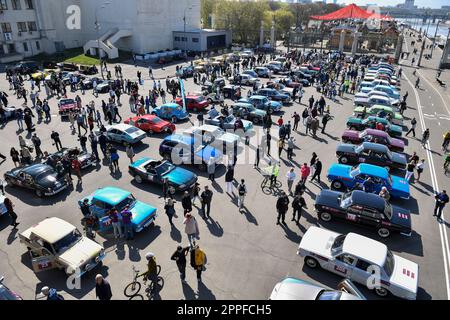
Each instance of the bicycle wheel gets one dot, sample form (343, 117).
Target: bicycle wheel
(267, 190)
(158, 269)
(264, 183)
(278, 184)
(137, 297)
(132, 289)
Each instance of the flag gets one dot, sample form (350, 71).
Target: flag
(183, 95)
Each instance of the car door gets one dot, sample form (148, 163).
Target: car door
(42, 260)
(353, 213)
(142, 124)
(361, 272)
(343, 265)
(100, 209)
(152, 175)
(370, 217)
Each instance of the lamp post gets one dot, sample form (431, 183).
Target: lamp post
(97, 29)
(423, 42)
(434, 39)
(445, 49)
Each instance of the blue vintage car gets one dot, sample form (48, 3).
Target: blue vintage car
(155, 171)
(344, 177)
(171, 111)
(104, 199)
(263, 103)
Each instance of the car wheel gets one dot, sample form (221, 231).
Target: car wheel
(39, 193)
(174, 119)
(343, 160)
(195, 109)
(325, 216)
(255, 120)
(311, 262)
(138, 179)
(353, 128)
(383, 232)
(382, 292)
(337, 185)
(166, 156)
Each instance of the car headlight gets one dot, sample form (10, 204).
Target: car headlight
(49, 189)
(182, 186)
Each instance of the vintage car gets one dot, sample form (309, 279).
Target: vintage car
(231, 92)
(211, 87)
(297, 289)
(151, 124)
(263, 103)
(227, 123)
(185, 72)
(280, 88)
(251, 73)
(374, 136)
(2, 205)
(372, 100)
(193, 102)
(155, 171)
(104, 86)
(40, 178)
(358, 124)
(65, 106)
(364, 97)
(343, 177)
(171, 111)
(367, 86)
(23, 67)
(392, 93)
(182, 149)
(376, 110)
(243, 79)
(88, 70)
(360, 259)
(7, 294)
(104, 199)
(56, 244)
(274, 95)
(88, 83)
(370, 153)
(86, 159)
(67, 66)
(123, 133)
(263, 72)
(214, 136)
(249, 112)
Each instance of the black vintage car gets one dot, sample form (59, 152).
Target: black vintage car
(371, 153)
(23, 67)
(40, 178)
(86, 159)
(365, 209)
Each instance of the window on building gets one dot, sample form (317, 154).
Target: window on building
(22, 26)
(38, 45)
(3, 5)
(177, 38)
(32, 26)
(11, 48)
(183, 39)
(29, 4)
(6, 27)
(2, 50)
(25, 47)
(195, 39)
(15, 4)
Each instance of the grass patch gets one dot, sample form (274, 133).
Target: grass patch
(83, 59)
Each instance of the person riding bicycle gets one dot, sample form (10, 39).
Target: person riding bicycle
(446, 141)
(152, 271)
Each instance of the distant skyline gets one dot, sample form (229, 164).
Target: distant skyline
(419, 3)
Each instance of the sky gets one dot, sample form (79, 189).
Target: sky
(419, 3)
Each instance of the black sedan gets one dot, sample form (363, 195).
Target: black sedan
(371, 153)
(365, 209)
(86, 159)
(41, 178)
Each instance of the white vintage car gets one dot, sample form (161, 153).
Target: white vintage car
(123, 133)
(214, 136)
(361, 260)
(55, 243)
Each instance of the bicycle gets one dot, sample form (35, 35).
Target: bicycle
(267, 186)
(132, 289)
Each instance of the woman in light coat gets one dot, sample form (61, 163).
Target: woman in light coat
(191, 228)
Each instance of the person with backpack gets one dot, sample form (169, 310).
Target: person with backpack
(51, 294)
(297, 205)
(198, 261)
(179, 256)
(413, 127)
(242, 190)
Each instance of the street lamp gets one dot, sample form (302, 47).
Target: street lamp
(97, 28)
(445, 49)
(424, 41)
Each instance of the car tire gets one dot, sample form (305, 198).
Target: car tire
(343, 160)
(383, 233)
(39, 193)
(311, 262)
(150, 131)
(353, 128)
(255, 120)
(381, 292)
(167, 157)
(138, 179)
(337, 185)
(325, 216)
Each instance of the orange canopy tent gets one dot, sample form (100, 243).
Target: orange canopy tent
(351, 11)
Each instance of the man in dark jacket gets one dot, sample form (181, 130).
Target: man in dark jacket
(441, 200)
(56, 139)
(179, 256)
(206, 197)
(317, 171)
(297, 204)
(102, 288)
(282, 207)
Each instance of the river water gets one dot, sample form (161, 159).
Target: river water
(418, 23)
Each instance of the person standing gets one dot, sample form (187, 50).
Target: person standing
(410, 170)
(179, 256)
(326, 118)
(420, 168)
(57, 141)
(113, 214)
(206, 197)
(413, 128)
(102, 288)
(94, 142)
(169, 208)
(103, 142)
(297, 205)
(37, 145)
(282, 207)
(126, 221)
(15, 156)
(191, 228)
(441, 200)
(229, 178)
(130, 152)
(242, 191)
(290, 176)
(114, 159)
(290, 149)
(166, 189)
(304, 172)
(317, 170)
(186, 202)
(257, 158)
(198, 261)
(10, 210)
(76, 167)
(211, 167)
(296, 117)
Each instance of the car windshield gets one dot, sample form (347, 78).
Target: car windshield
(388, 210)
(200, 99)
(131, 130)
(354, 173)
(328, 295)
(128, 201)
(64, 102)
(346, 200)
(68, 241)
(389, 264)
(338, 243)
(164, 168)
(179, 108)
(359, 149)
(156, 120)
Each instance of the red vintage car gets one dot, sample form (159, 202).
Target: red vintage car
(374, 136)
(67, 105)
(194, 102)
(151, 124)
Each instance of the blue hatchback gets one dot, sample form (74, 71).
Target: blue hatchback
(104, 199)
(263, 103)
(171, 111)
(344, 177)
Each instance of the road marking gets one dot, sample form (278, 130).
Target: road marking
(442, 228)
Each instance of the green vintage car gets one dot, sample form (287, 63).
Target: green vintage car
(248, 112)
(359, 124)
(397, 118)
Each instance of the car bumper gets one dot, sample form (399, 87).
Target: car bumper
(91, 266)
(141, 227)
(52, 193)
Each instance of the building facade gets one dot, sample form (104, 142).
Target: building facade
(201, 40)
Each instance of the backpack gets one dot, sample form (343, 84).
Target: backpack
(305, 113)
(241, 190)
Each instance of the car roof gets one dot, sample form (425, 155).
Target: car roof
(375, 132)
(36, 169)
(180, 138)
(373, 170)
(120, 126)
(364, 248)
(375, 146)
(297, 289)
(242, 104)
(52, 229)
(111, 195)
(257, 97)
(170, 105)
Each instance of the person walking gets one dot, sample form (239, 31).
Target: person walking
(281, 145)
(305, 171)
(290, 176)
(282, 207)
(169, 208)
(56, 140)
(441, 200)
(113, 215)
(326, 118)
(317, 171)
(94, 143)
(413, 128)
(297, 205)
(114, 165)
(425, 137)
(290, 148)
(242, 191)
(10, 211)
(102, 288)
(229, 178)
(191, 228)
(198, 261)
(179, 256)
(419, 168)
(186, 202)
(206, 197)
(126, 222)
(76, 167)
(211, 167)
(37, 145)
(130, 152)
(257, 157)
(15, 156)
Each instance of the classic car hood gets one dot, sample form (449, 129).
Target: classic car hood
(395, 128)
(141, 212)
(354, 120)
(350, 134)
(260, 112)
(399, 158)
(401, 217)
(179, 176)
(344, 147)
(207, 152)
(400, 184)
(50, 182)
(397, 143)
(318, 240)
(81, 252)
(405, 274)
(361, 100)
(328, 198)
(137, 134)
(339, 170)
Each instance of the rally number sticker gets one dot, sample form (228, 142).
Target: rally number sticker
(351, 217)
(340, 269)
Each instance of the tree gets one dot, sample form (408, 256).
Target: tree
(206, 10)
